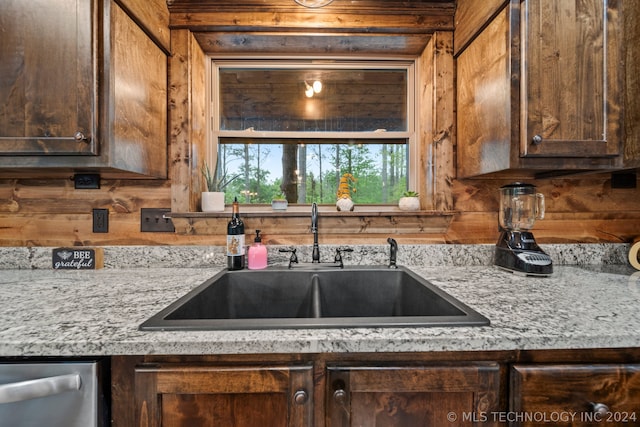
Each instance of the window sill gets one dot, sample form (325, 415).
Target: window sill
(297, 220)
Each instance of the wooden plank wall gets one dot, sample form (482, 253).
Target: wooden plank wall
(53, 213)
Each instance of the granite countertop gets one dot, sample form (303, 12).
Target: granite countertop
(97, 312)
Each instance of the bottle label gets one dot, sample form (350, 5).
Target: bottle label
(235, 244)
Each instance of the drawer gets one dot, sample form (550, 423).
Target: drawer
(575, 395)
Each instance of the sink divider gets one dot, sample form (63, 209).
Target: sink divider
(316, 305)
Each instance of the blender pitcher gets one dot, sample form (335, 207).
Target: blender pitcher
(517, 250)
(520, 206)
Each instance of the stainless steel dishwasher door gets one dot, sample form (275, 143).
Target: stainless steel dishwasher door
(53, 394)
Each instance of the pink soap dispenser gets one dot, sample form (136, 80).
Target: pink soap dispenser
(257, 256)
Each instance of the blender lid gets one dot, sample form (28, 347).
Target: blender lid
(520, 187)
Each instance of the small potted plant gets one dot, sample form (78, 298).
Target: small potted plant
(216, 182)
(409, 201)
(279, 203)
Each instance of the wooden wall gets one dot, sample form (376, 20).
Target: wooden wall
(53, 213)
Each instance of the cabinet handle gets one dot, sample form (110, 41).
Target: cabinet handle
(300, 397)
(340, 396)
(80, 136)
(536, 140)
(600, 408)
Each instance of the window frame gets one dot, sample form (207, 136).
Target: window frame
(214, 133)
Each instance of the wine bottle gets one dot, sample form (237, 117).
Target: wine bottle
(235, 239)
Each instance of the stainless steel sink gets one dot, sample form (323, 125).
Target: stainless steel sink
(314, 298)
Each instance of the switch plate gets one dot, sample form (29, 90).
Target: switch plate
(154, 220)
(101, 220)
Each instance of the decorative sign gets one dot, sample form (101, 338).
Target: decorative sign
(77, 258)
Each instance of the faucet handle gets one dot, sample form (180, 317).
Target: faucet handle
(338, 258)
(293, 259)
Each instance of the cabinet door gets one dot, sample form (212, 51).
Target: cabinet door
(484, 117)
(412, 396)
(199, 396)
(575, 395)
(571, 77)
(138, 100)
(47, 95)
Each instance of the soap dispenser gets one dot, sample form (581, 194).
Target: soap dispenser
(257, 256)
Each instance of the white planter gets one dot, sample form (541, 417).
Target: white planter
(212, 201)
(409, 203)
(279, 205)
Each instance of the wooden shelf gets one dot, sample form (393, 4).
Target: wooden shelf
(298, 221)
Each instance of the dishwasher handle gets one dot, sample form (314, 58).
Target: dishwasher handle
(41, 387)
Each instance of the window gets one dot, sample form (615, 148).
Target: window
(296, 128)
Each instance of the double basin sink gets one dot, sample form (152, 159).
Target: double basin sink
(314, 298)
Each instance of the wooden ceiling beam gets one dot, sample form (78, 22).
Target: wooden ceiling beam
(344, 27)
(371, 16)
(352, 6)
(255, 43)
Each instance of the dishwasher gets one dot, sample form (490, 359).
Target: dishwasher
(53, 394)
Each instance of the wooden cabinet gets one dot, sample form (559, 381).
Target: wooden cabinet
(200, 393)
(135, 103)
(517, 388)
(575, 395)
(46, 78)
(540, 89)
(234, 396)
(83, 88)
(412, 396)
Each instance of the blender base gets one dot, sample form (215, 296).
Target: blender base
(518, 252)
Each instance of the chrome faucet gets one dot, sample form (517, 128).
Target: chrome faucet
(315, 255)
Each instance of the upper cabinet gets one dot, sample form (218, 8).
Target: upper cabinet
(46, 97)
(83, 87)
(540, 87)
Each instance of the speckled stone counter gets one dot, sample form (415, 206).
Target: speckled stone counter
(97, 312)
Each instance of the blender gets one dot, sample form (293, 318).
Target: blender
(517, 250)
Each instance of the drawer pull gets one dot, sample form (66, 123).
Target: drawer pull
(300, 397)
(600, 408)
(340, 396)
(79, 136)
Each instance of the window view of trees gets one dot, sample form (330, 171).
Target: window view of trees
(288, 129)
(306, 173)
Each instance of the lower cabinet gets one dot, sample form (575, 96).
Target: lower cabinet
(194, 396)
(517, 388)
(411, 396)
(575, 395)
(202, 394)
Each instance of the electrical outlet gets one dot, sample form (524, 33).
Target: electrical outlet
(624, 180)
(86, 181)
(101, 220)
(154, 219)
